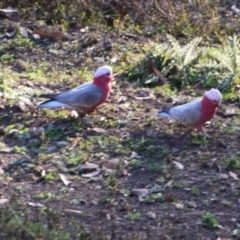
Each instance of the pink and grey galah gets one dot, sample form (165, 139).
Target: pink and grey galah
(197, 112)
(84, 98)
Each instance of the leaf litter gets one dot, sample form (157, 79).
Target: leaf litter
(131, 164)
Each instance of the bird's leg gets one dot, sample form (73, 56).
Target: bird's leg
(82, 113)
(189, 129)
(74, 114)
(202, 130)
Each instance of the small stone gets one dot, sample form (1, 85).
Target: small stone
(62, 144)
(20, 64)
(37, 131)
(1, 171)
(9, 13)
(31, 165)
(12, 132)
(151, 215)
(26, 100)
(2, 131)
(107, 46)
(6, 149)
(51, 149)
(191, 204)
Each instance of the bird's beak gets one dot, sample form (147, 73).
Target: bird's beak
(219, 104)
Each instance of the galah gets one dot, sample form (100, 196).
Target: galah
(197, 112)
(84, 98)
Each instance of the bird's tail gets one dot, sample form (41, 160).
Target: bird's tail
(51, 104)
(164, 112)
(48, 95)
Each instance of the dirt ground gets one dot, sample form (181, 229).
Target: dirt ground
(150, 178)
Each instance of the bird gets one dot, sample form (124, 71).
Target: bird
(197, 112)
(84, 98)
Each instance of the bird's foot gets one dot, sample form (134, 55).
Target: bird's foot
(204, 133)
(74, 114)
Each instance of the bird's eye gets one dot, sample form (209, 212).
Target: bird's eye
(108, 74)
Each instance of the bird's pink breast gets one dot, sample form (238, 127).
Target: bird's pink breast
(208, 111)
(106, 91)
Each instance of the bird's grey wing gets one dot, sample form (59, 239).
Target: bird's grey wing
(82, 96)
(188, 113)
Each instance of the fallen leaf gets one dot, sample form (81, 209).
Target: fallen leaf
(50, 34)
(179, 205)
(168, 184)
(124, 171)
(92, 174)
(63, 178)
(178, 165)
(99, 130)
(109, 165)
(87, 166)
(133, 155)
(3, 201)
(223, 176)
(32, 204)
(72, 210)
(141, 192)
(169, 198)
(233, 175)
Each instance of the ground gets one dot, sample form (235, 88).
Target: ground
(149, 177)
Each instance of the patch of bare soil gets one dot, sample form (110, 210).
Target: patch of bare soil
(132, 176)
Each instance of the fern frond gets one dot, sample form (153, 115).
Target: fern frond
(188, 53)
(175, 44)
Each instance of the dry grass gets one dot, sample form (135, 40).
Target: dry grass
(208, 18)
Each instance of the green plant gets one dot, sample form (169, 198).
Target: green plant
(208, 220)
(233, 163)
(195, 191)
(53, 132)
(224, 64)
(134, 216)
(45, 195)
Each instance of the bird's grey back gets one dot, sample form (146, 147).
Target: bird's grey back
(86, 95)
(188, 113)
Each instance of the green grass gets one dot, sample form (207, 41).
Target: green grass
(193, 52)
